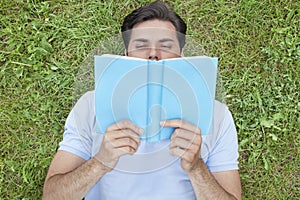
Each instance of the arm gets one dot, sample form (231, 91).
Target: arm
(71, 177)
(186, 144)
(220, 185)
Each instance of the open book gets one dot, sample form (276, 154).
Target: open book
(147, 91)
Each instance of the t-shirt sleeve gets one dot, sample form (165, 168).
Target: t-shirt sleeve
(77, 133)
(224, 155)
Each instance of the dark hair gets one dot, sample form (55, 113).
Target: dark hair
(155, 10)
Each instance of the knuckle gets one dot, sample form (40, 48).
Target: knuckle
(138, 140)
(134, 144)
(172, 152)
(173, 135)
(106, 137)
(128, 141)
(129, 149)
(177, 131)
(198, 138)
(189, 145)
(195, 148)
(109, 128)
(176, 141)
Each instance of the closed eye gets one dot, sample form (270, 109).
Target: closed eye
(166, 46)
(141, 43)
(141, 46)
(166, 43)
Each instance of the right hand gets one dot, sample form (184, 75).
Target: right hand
(120, 139)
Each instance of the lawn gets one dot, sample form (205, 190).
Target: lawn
(43, 45)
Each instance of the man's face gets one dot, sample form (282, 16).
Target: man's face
(155, 40)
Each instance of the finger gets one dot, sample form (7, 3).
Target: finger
(125, 142)
(177, 123)
(125, 151)
(122, 133)
(125, 124)
(183, 154)
(187, 135)
(184, 144)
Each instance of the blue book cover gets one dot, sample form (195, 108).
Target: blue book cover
(147, 91)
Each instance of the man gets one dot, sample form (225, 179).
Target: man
(85, 164)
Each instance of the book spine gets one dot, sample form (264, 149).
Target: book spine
(154, 100)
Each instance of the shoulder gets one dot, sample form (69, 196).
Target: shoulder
(221, 111)
(223, 129)
(79, 126)
(85, 105)
(222, 117)
(84, 110)
(223, 120)
(86, 98)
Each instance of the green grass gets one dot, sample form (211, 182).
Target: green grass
(44, 43)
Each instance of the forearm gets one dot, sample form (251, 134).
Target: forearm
(74, 184)
(205, 185)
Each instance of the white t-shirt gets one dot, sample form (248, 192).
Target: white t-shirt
(151, 173)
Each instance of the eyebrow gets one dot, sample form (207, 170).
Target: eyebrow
(161, 40)
(166, 40)
(140, 40)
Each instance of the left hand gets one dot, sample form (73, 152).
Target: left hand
(185, 143)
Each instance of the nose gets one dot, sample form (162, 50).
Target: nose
(154, 54)
(153, 58)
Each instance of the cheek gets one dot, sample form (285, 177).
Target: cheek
(166, 55)
(172, 53)
(138, 54)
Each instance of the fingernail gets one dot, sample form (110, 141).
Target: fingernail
(162, 123)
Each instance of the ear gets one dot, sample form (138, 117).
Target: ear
(182, 52)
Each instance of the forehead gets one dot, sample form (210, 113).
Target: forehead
(155, 23)
(153, 29)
